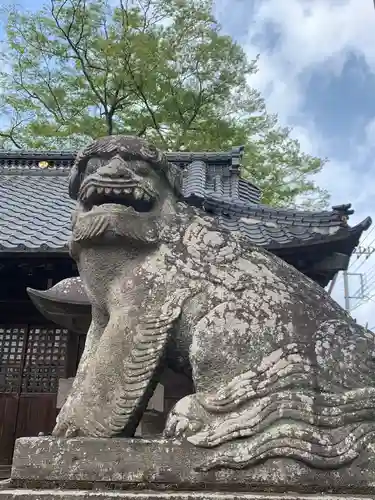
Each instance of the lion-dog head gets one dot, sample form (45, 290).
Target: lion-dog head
(124, 188)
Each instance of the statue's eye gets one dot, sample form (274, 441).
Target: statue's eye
(93, 164)
(143, 169)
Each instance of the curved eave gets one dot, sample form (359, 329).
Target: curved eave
(234, 207)
(320, 258)
(348, 235)
(39, 296)
(67, 310)
(13, 249)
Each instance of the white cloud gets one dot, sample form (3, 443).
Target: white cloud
(310, 35)
(318, 31)
(370, 134)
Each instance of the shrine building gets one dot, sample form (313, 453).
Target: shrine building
(38, 359)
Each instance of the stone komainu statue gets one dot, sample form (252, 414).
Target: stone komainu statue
(279, 369)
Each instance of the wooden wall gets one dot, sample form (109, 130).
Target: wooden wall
(35, 355)
(33, 352)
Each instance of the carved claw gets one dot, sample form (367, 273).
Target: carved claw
(176, 426)
(179, 426)
(68, 422)
(183, 420)
(70, 428)
(79, 421)
(72, 432)
(65, 429)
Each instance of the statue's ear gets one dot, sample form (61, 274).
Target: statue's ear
(66, 304)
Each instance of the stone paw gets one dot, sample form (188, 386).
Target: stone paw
(185, 419)
(66, 428)
(72, 423)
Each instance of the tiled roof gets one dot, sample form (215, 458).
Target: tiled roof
(205, 180)
(205, 173)
(279, 233)
(35, 207)
(34, 212)
(60, 160)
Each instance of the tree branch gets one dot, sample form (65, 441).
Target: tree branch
(74, 46)
(10, 134)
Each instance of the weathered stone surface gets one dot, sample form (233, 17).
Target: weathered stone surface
(279, 369)
(127, 495)
(161, 464)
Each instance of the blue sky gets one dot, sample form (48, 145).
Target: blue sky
(317, 71)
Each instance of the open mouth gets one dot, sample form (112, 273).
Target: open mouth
(131, 196)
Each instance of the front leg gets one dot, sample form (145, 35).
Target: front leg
(118, 376)
(67, 413)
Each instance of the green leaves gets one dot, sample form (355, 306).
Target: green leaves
(79, 69)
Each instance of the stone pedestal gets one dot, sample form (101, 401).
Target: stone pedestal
(140, 469)
(126, 495)
(151, 495)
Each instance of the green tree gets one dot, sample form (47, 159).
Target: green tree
(162, 69)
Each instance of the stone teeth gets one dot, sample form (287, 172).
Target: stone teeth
(100, 190)
(117, 191)
(138, 194)
(90, 191)
(108, 190)
(127, 190)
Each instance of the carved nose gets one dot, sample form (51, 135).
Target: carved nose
(116, 167)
